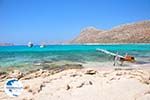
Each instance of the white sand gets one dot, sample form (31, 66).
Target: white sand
(106, 84)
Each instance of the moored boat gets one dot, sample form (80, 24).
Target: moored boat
(30, 44)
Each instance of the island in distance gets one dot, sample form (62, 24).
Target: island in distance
(138, 32)
(6, 44)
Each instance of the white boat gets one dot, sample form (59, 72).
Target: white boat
(42, 46)
(30, 44)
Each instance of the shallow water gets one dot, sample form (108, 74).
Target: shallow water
(21, 56)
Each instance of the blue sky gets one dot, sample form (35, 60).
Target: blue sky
(59, 20)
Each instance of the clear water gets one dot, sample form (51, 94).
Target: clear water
(22, 55)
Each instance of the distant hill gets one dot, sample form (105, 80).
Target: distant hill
(6, 44)
(128, 33)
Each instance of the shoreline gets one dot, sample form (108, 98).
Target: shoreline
(61, 63)
(81, 44)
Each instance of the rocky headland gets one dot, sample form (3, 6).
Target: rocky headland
(138, 32)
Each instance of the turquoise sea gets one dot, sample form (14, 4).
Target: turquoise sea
(18, 56)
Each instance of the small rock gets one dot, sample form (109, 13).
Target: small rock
(3, 76)
(27, 87)
(118, 74)
(68, 87)
(84, 83)
(81, 85)
(15, 74)
(112, 79)
(41, 86)
(30, 90)
(74, 75)
(91, 72)
(45, 73)
(88, 83)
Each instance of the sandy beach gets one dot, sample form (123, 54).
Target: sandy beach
(83, 82)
